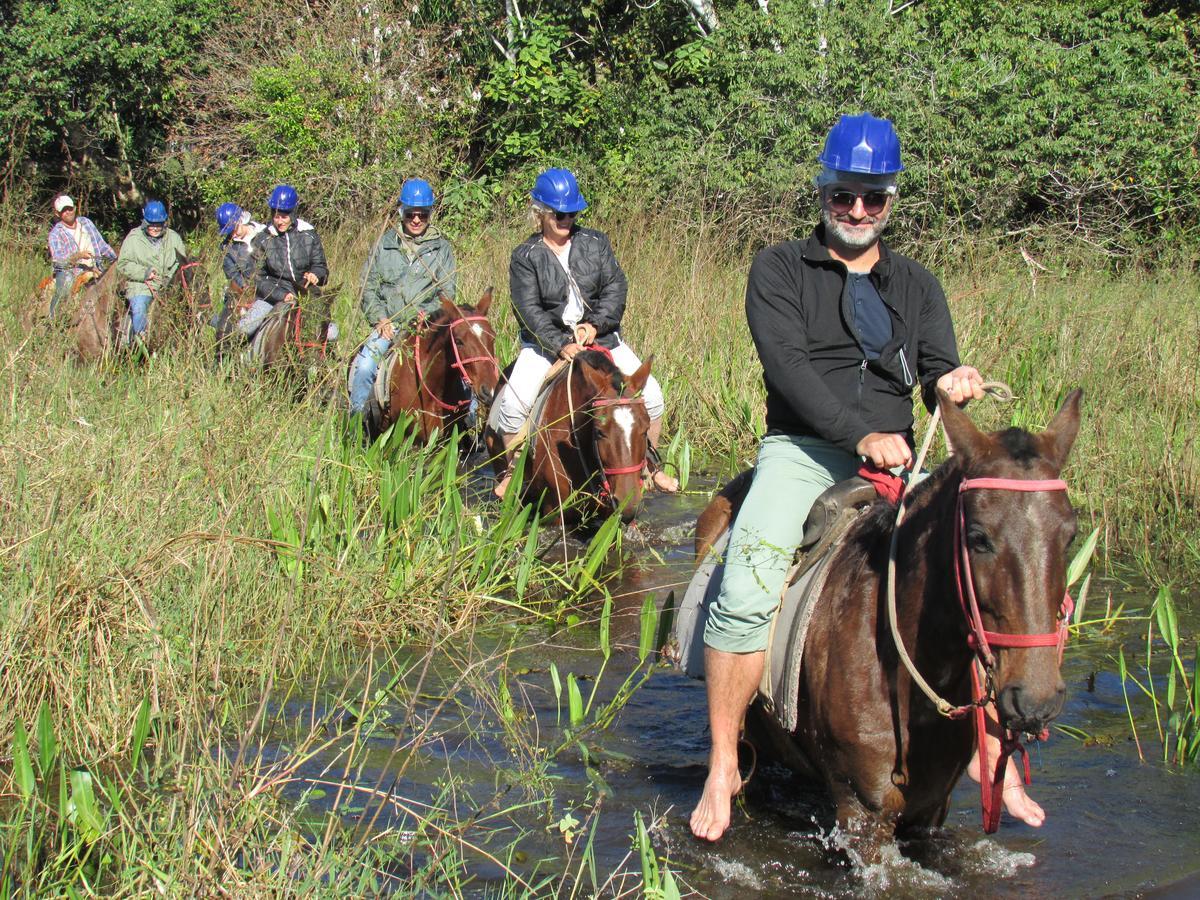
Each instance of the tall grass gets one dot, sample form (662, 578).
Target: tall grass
(188, 556)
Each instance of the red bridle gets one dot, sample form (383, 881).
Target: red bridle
(459, 364)
(606, 494)
(982, 641)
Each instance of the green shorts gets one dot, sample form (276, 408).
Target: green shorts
(792, 472)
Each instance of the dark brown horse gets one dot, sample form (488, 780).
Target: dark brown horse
(995, 520)
(587, 441)
(441, 364)
(37, 309)
(292, 332)
(101, 320)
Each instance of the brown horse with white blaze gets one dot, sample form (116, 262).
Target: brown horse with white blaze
(980, 589)
(588, 440)
(443, 362)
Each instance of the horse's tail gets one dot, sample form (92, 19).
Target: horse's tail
(721, 511)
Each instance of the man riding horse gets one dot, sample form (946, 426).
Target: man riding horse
(406, 276)
(150, 256)
(76, 245)
(845, 328)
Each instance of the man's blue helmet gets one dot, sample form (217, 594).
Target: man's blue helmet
(154, 213)
(862, 144)
(557, 189)
(416, 192)
(283, 198)
(228, 217)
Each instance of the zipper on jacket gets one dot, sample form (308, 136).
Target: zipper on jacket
(862, 375)
(287, 239)
(908, 379)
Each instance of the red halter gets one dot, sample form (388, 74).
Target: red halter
(459, 364)
(982, 641)
(605, 489)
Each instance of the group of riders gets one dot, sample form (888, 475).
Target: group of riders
(845, 329)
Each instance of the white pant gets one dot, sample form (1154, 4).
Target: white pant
(518, 395)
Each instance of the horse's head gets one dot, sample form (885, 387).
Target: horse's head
(1014, 527)
(619, 425)
(473, 346)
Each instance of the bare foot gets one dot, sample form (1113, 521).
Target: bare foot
(501, 487)
(1018, 803)
(710, 818)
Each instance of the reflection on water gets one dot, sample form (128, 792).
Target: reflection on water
(1114, 825)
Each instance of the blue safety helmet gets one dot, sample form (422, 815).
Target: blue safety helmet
(283, 198)
(154, 213)
(416, 193)
(229, 215)
(862, 144)
(557, 189)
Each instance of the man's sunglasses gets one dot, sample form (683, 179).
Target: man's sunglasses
(841, 201)
(410, 214)
(562, 216)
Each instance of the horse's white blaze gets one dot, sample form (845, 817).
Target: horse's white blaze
(477, 328)
(623, 416)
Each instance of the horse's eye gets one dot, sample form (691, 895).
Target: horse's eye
(978, 541)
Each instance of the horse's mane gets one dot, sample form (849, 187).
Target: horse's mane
(603, 364)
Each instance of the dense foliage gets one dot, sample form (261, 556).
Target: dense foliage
(1077, 115)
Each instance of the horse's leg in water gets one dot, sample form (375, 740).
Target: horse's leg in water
(869, 830)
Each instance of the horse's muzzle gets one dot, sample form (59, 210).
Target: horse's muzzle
(1026, 711)
(486, 395)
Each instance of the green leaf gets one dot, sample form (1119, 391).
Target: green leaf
(606, 625)
(82, 810)
(22, 764)
(1082, 558)
(649, 621)
(47, 740)
(574, 701)
(141, 727)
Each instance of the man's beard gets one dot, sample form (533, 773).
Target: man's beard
(853, 240)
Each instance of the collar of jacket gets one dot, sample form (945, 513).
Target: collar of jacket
(400, 239)
(300, 225)
(816, 250)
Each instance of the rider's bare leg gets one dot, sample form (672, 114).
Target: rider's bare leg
(1018, 803)
(732, 680)
(662, 481)
(502, 486)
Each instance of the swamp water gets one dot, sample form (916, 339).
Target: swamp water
(493, 720)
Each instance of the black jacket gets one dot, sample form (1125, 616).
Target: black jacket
(539, 289)
(284, 258)
(818, 380)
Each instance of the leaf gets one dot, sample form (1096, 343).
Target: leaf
(82, 810)
(1082, 558)
(606, 624)
(47, 741)
(141, 727)
(649, 622)
(574, 701)
(22, 765)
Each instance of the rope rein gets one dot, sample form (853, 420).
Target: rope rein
(979, 639)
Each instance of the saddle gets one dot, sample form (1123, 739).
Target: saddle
(832, 515)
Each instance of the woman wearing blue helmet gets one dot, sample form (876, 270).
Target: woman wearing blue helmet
(569, 294)
(238, 231)
(150, 256)
(407, 274)
(291, 259)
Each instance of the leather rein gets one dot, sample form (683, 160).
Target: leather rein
(459, 364)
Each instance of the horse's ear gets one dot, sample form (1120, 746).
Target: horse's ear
(448, 307)
(637, 380)
(484, 302)
(1059, 436)
(965, 438)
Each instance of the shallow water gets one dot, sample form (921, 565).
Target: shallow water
(1115, 825)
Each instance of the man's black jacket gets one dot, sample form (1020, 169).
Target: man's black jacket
(539, 289)
(818, 379)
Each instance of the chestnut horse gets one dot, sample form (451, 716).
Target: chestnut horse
(980, 581)
(588, 442)
(285, 336)
(442, 363)
(101, 321)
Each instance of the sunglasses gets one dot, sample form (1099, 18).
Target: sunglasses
(841, 201)
(410, 214)
(562, 216)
